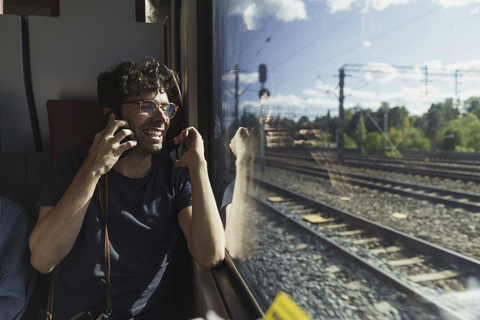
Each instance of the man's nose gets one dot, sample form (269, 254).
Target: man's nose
(159, 115)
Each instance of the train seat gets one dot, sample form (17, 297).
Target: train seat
(16, 100)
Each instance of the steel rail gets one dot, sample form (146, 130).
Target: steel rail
(425, 172)
(387, 277)
(449, 167)
(349, 177)
(443, 254)
(471, 167)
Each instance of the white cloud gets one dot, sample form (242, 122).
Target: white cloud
(243, 78)
(475, 11)
(471, 65)
(379, 72)
(455, 3)
(339, 5)
(283, 10)
(366, 44)
(379, 5)
(434, 65)
(250, 16)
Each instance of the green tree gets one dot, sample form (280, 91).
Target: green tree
(374, 140)
(361, 134)
(348, 143)
(437, 120)
(414, 141)
(397, 117)
(467, 133)
(303, 123)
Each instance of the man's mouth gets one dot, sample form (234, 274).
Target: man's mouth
(153, 133)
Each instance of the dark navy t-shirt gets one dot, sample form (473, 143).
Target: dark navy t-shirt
(227, 199)
(142, 227)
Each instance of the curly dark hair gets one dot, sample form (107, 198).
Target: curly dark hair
(126, 79)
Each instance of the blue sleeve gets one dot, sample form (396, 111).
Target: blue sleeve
(227, 199)
(184, 190)
(17, 276)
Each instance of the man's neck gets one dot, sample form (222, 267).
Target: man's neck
(134, 165)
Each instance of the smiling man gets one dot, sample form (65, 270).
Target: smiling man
(149, 198)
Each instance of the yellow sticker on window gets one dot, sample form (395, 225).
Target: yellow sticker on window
(275, 199)
(285, 308)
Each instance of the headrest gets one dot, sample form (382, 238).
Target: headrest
(72, 123)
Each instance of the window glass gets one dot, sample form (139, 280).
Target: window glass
(370, 108)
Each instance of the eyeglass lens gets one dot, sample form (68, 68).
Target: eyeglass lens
(148, 108)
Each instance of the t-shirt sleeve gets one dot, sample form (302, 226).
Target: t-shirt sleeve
(227, 199)
(184, 190)
(61, 175)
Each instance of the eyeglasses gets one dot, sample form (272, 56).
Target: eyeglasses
(149, 107)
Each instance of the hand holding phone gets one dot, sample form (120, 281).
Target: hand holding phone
(117, 117)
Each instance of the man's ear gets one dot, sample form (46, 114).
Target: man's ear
(105, 110)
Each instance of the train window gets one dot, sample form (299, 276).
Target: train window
(354, 127)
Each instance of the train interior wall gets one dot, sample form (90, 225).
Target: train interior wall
(58, 58)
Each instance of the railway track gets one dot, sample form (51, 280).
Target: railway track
(454, 171)
(418, 156)
(408, 264)
(455, 198)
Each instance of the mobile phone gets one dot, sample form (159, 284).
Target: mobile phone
(118, 116)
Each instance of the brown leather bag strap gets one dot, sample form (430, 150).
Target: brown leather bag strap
(50, 301)
(103, 195)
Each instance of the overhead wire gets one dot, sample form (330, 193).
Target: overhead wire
(258, 31)
(335, 27)
(359, 45)
(265, 43)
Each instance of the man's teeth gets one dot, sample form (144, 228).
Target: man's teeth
(153, 133)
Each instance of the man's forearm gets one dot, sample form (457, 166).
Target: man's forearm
(207, 235)
(56, 230)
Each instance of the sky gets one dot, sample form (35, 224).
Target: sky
(408, 53)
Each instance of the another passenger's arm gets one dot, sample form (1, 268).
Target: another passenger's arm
(57, 227)
(200, 223)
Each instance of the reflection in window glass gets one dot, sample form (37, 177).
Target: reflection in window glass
(371, 108)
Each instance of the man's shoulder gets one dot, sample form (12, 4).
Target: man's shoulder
(76, 151)
(76, 154)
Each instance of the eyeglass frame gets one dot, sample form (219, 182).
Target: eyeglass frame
(157, 106)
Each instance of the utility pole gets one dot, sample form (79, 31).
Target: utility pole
(385, 128)
(263, 94)
(426, 80)
(236, 96)
(328, 129)
(340, 117)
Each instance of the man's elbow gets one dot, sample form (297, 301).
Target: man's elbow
(39, 266)
(212, 261)
(37, 260)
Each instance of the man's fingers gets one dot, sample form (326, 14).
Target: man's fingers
(120, 135)
(113, 126)
(127, 145)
